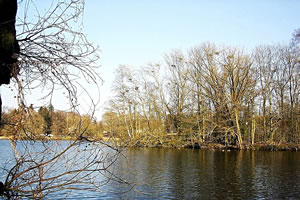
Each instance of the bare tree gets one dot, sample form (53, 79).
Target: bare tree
(200, 60)
(154, 97)
(178, 88)
(123, 88)
(54, 52)
(55, 57)
(278, 72)
(224, 78)
(218, 94)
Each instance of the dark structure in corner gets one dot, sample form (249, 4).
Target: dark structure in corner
(9, 47)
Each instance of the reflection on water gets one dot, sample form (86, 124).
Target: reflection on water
(204, 174)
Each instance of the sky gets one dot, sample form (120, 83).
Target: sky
(137, 32)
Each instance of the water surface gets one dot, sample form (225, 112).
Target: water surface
(197, 174)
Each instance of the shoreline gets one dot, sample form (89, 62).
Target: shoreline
(217, 146)
(196, 146)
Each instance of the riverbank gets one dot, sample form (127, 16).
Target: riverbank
(5, 138)
(179, 144)
(260, 147)
(216, 146)
(38, 138)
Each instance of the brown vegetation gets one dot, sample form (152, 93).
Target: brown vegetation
(210, 94)
(46, 123)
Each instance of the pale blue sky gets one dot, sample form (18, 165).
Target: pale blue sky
(135, 32)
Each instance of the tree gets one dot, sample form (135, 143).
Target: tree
(56, 57)
(179, 89)
(53, 52)
(278, 70)
(224, 77)
(200, 58)
(8, 44)
(152, 97)
(9, 47)
(212, 94)
(124, 88)
(46, 114)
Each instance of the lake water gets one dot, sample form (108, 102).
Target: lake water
(198, 174)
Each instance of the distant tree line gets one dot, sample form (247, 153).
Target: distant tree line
(210, 94)
(48, 123)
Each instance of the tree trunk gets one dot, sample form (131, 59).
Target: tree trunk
(9, 47)
(238, 130)
(253, 131)
(0, 110)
